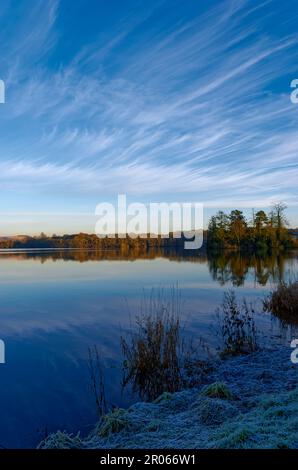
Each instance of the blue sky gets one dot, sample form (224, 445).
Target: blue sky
(164, 101)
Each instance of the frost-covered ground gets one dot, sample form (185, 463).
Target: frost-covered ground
(248, 401)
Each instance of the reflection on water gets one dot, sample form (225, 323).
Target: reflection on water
(54, 305)
(125, 254)
(234, 267)
(226, 267)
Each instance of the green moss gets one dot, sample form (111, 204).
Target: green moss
(114, 422)
(270, 402)
(154, 425)
(163, 397)
(61, 440)
(282, 445)
(214, 411)
(277, 412)
(233, 437)
(217, 390)
(241, 436)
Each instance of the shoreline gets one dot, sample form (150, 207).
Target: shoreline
(259, 410)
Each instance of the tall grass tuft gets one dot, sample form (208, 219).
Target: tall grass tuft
(283, 302)
(236, 326)
(156, 357)
(97, 381)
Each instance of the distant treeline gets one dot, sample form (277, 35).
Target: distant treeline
(84, 241)
(263, 232)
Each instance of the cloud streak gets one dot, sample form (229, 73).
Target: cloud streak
(195, 107)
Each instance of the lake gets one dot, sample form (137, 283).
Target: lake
(55, 305)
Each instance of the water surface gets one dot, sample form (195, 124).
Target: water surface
(54, 305)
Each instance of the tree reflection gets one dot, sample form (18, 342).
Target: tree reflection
(235, 267)
(225, 267)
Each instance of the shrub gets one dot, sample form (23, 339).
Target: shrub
(156, 358)
(236, 326)
(283, 302)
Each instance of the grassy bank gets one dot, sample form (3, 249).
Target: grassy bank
(249, 401)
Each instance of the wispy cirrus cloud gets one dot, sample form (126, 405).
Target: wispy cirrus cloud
(190, 106)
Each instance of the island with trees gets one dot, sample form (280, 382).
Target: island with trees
(264, 232)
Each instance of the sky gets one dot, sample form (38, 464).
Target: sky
(163, 101)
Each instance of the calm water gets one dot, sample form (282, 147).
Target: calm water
(54, 305)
